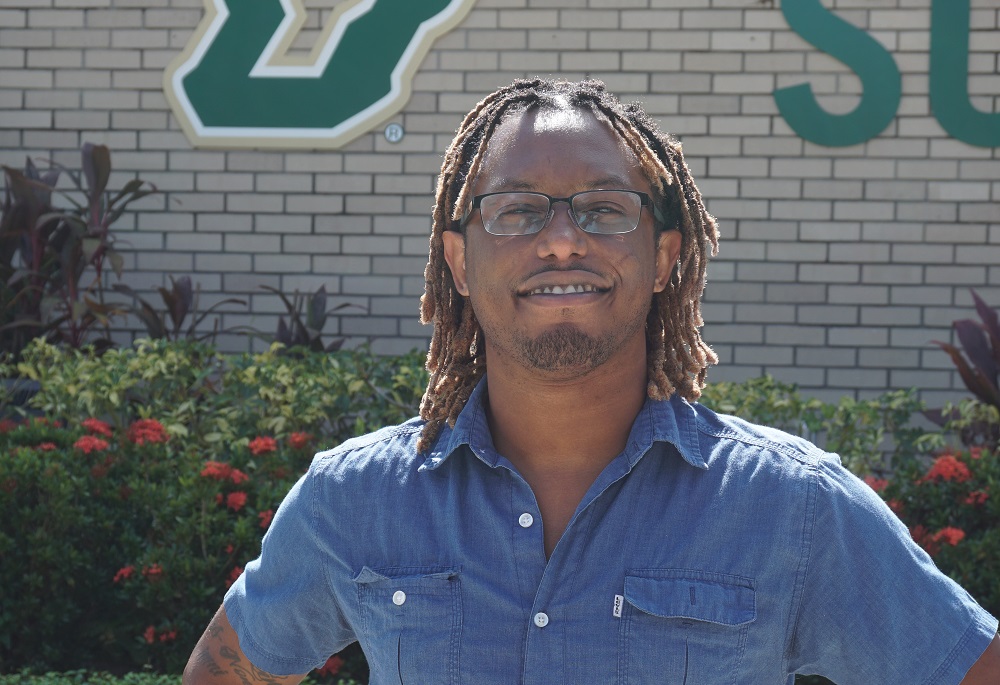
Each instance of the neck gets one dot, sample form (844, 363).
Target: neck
(565, 424)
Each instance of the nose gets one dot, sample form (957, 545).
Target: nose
(561, 238)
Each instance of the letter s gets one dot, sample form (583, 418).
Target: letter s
(880, 79)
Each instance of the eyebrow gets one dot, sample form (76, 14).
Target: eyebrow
(612, 181)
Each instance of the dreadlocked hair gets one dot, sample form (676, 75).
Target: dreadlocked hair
(677, 359)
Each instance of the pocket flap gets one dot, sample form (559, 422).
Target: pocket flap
(721, 602)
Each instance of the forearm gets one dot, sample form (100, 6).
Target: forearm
(217, 659)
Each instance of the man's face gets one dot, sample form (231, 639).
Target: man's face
(510, 279)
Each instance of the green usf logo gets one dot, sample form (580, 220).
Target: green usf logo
(235, 85)
(881, 80)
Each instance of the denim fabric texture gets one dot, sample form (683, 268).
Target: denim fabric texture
(709, 552)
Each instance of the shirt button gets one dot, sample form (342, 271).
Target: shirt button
(526, 520)
(541, 619)
(398, 597)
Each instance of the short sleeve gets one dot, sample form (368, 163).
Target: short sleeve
(873, 607)
(282, 607)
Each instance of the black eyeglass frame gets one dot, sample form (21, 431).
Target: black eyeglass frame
(644, 201)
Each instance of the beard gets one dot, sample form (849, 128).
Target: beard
(566, 348)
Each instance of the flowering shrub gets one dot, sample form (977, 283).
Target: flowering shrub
(952, 508)
(138, 498)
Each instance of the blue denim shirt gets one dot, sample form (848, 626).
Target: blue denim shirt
(710, 551)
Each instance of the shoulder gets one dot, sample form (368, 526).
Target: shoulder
(725, 435)
(392, 448)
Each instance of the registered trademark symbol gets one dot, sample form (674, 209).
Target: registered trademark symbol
(394, 133)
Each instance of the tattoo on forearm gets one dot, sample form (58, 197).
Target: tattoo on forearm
(248, 673)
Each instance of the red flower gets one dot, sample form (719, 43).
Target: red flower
(217, 469)
(147, 430)
(149, 634)
(168, 636)
(236, 500)
(46, 447)
(951, 535)
(96, 427)
(331, 667)
(299, 440)
(233, 575)
(976, 452)
(89, 443)
(229, 549)
(238, 476)
(280, 472)
(876, 484)
(948, 468)
(7, 425)
(152, 573)
(977, 497)
(932, 542)
(263, 445)
(896, 506)
(124, 573)
(265, 518)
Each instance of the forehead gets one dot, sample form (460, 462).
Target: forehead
(557, 151)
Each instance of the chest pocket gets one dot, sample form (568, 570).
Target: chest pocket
(411, 624)
(683, 627)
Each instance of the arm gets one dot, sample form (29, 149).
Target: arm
(218, 660)
(986, 671)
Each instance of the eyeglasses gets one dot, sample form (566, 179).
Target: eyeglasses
(605, 212)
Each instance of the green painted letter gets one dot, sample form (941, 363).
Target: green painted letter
(237, 86)
(949, 81)
(880, 79)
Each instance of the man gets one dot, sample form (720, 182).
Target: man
(563, 513)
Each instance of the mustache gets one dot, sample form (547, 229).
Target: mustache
(548, 268)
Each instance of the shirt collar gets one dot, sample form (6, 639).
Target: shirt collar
(673, 421)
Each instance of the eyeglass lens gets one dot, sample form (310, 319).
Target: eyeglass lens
(594, 211)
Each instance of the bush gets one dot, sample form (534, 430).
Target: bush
(952, 508)
(137, 496)
(132, 505)
(867, 434)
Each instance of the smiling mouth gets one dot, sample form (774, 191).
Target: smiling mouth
(564, 290)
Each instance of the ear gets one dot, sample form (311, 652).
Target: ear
(454, 254)
(668, 248)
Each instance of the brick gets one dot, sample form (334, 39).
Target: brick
(529, 19)
(764, 354)
(826, 356)
(341, 264)
(958, 191)
(858, 294)
(649, 19)
(741, 41)
(795, 335)
(801, 209)
(767, 272)
(797, 293)
(923, 254)
(827, 314)
(858, 336)
(956, 275)
(738, 333)
(888, 359)
(252, 242)
(282, 263)
(857, 378)
(891, 316)
(552, 39)
(194, 242)
(978, 254)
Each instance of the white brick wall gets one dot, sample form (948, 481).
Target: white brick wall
(838, 265)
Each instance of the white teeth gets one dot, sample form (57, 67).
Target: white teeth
(563, 290)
